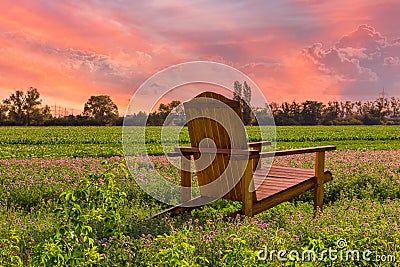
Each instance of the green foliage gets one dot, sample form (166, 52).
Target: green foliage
(10, 250)
(24, 109)
(91, 210)
(81, 211)
(102, 109)
(58, 142)
(180, 253)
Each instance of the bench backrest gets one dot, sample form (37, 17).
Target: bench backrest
(216, 121)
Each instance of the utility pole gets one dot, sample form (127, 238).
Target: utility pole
(382, 94)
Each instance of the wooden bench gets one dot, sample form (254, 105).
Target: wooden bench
(233, 169)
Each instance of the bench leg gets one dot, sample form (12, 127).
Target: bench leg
(247, 196)
(319, 180)
(186, 179)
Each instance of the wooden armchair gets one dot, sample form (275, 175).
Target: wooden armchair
(228, 167)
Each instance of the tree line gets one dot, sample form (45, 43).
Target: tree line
(380, 111)
(25, 108)
(309, 112)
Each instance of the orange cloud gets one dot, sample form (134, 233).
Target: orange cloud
(71, 50)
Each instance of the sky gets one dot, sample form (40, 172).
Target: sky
(293, 50)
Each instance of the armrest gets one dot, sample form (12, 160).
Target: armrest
(297, 151)
(181, 151)
(259, 143)
(174, 154)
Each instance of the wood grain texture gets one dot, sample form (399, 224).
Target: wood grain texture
(234, 159)
(186, 179)
(319, 180)
(297, 151)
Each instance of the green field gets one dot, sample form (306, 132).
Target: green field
(66, 200)
(56, 142)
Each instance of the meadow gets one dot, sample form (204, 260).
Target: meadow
(67, 200)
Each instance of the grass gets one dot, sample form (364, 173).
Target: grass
(68, 208)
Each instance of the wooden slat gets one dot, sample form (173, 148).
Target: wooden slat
(297, 151)
(225, 142)
(227, 151)
(283, 172)
(217, 166)
(281, 186)
(282, 196)
(292, 175)
(205, 132)
(279, 169)
(284, 181)
(200, 126)
(258, 143)
(271, 183)
(237, 140)
(268, 190)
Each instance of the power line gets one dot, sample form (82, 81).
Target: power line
(62, 111)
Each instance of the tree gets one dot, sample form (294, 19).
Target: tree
(264, 116)
(40, 115)
(395, 105)
(242, 94)
(102, 109)
(15, 104)
(157, 118)
(237, 91)
(311, 112)
(295, 112)
(134, 119)
(22, 105)
(330, 113)
(3, 113)
(247, 113)
(31, 101)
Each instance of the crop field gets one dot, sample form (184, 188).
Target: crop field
(66, 199)
(56, 142)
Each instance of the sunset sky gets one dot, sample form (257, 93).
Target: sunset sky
(293, 50)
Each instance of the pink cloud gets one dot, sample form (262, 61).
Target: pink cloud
(359, 61)
(70, 50)
(365, 37)
(388, 61)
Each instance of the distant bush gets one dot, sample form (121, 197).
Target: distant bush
(347, 121)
